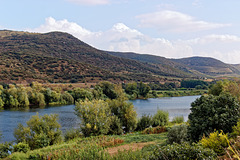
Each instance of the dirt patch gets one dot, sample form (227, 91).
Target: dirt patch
(132, 146)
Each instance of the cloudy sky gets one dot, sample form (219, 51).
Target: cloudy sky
(169, 28)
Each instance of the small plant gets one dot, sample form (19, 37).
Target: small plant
(161, 118)
(236, 129)
(177, 134)
(216, 141)
(178, 119)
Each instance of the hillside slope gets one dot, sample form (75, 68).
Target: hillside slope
(209, 66)
(29, 56)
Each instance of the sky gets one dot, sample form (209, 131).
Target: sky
(167, 28)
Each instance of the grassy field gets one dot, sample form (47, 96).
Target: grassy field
(130, 146)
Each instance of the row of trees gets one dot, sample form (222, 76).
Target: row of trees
(36, 94)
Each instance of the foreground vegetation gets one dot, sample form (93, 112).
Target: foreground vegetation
(110, 130)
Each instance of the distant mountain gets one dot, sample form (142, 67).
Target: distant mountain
(209, 66)
(60, 57)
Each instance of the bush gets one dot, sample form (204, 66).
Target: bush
(144, 122)
(177, 134)
(72, 134)
(154, 130)
(216, 141)
(236, 129)
(161, 118)
(41, 131)
(21, 147)
(183, 151)
(213, 112)
(5, 148)
(178, 119)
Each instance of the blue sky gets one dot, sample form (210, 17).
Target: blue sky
(169, 28)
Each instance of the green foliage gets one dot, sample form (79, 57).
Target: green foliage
(144, 122)
(21, 147)
(177, 134)
(72, 134)
(161, 118)
(193, 84)
(41, 131)
(108, 89)
(5, 148)
(95, 117)
(115, 126)
(212, 112)
(178, 119)
(236, 129)
(125, 112)
(183, 151)
(81, 94)
(215, 141)
(143, 89)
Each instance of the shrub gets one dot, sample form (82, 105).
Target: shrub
(183, 151)
(5, 148)
(154, 130)
(72, 134)
(21, 147)
(41, 131)
(213, 112)
(236, 129)
(177, 134)
(144, 122)
(161, 118)
(178, 119)
(216, 141)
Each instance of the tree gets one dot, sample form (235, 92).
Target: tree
(41, 131)
(108, 89)
(125, 112)
(161, 118)
(95, 117)
(209, 113)
(143, 89)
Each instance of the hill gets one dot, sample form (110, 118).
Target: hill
(209, 66)
(60, 57)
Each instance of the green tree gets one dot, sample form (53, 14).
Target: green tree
(81, 94)
(161, 118)
(108, 89)
(95, 117)
(125, 112)
(41, 131)
(143, 89)
(213, 112)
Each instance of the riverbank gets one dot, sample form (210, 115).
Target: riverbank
(181, 93)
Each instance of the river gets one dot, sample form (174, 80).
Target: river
(176, 106)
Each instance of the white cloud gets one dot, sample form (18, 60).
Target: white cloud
(90, 2)
(122, 38)
(173, 21)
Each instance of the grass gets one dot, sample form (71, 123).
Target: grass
(94, 148)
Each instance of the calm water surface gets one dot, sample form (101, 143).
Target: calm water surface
(176, 106)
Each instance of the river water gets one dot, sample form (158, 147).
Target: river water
(176, 106)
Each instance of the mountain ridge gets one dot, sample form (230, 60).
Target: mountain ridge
(61, 57)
